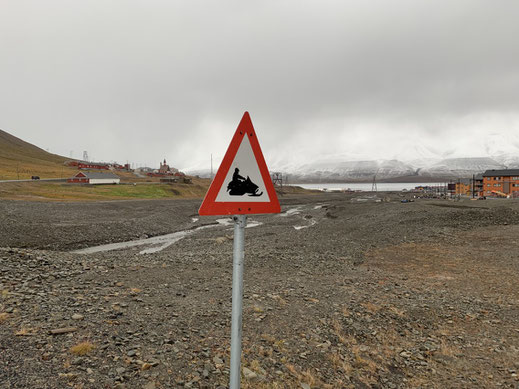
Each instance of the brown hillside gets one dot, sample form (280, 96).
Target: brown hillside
(19, 159)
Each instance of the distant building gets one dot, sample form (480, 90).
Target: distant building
(164, 168)
(97, 165)
(478, 185)
(116, 166)
(169, 179)
(93, 165)
(94, 178)
(464, 186)
(501, 183)
(470, 186)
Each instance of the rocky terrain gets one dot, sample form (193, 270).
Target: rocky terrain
(341, 291)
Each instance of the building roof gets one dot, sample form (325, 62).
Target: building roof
(501, 173)
(98, 175)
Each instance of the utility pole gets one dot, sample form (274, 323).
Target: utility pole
(374, 184)
(240, 222)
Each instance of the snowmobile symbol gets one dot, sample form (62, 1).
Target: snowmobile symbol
(240, 185)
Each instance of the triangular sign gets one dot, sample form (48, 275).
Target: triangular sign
(242, 184)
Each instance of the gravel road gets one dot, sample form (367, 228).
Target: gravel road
(341, 291)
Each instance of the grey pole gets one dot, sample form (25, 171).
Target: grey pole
(240, 221)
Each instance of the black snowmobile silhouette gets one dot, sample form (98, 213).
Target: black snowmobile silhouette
(240, 186)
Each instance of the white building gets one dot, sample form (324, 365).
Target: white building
(95, 178)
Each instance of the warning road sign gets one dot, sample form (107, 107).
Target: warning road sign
(242, 184)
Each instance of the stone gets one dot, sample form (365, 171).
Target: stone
(77, 361)
(405, 354)
(77, 316)
(249, 374)
(65, 330)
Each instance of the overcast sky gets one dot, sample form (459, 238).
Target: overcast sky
(138, 81)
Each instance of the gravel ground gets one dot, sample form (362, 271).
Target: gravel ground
(340, 291)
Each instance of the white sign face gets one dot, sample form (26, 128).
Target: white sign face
(243, 182)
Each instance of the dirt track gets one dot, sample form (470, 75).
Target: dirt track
(338, 293)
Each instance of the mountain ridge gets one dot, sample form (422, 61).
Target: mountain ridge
(392, 170)
(21, 159)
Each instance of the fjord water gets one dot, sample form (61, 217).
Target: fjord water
(367, 186)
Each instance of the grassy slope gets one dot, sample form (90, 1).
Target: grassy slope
(54, 191)
(21, 159)
(74, 192)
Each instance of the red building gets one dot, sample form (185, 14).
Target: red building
(501, 183)
(97, 165)
(93, 165)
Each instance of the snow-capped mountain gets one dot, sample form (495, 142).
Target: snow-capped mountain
(351, 170)
(501, 145)
(347, 171)
(448, 168)
(511, 161)
(409, 160)
(413, 159)
(460, 167)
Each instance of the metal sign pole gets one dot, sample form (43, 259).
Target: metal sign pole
(240, 221)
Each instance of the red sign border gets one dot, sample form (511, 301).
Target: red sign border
(211, 207)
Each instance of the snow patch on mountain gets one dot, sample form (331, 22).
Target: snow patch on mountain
(352, 170)
(409, 158)
(460, 167)
(511, 161)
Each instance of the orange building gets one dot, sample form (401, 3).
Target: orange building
(464, 186)
(478, 185)
(470, 186)
(501, 183)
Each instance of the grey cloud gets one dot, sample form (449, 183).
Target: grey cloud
(139, 81)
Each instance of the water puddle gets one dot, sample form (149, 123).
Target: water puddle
(229, 222)
(225, 222)
(291, 211)
(159, 243)
(313, 222)
(319, 206)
